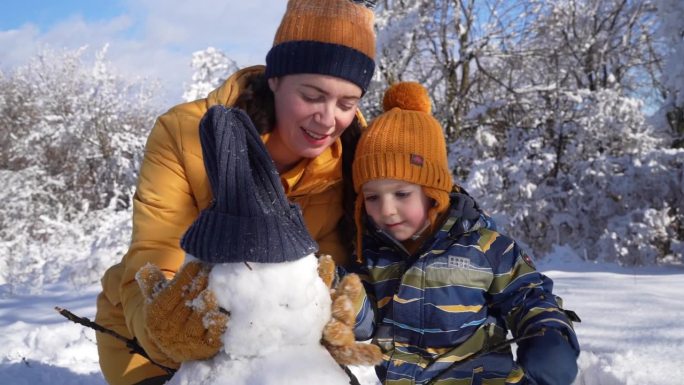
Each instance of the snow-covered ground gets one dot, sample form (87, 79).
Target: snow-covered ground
(632, 329)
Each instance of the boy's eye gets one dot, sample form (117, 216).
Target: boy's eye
(370, 198)
(402, 194)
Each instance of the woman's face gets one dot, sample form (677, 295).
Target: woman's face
(311, 111)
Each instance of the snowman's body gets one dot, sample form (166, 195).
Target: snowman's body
(277, 315)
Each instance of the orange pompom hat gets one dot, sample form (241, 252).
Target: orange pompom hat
(404, 143)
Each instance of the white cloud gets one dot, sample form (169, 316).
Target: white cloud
(155, 38)
(17, 44)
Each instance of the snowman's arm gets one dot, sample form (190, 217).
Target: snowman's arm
(182, 316)
(364, 307)
(338, 334)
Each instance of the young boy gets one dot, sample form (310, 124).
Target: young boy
(443, 287)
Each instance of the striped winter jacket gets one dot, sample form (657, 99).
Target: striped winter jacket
(456, 297)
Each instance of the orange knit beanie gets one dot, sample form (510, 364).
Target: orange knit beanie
(329, 37)
(404, 143)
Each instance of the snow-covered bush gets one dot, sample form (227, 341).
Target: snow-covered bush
(38, 248)
(613, 192)
(72, 134)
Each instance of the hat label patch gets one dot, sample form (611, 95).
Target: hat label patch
(417, 160)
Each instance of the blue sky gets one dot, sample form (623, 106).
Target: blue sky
(146, 38)
(46, 13)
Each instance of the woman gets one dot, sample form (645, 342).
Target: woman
(305, 104)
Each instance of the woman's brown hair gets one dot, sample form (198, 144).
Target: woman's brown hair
(257, 101)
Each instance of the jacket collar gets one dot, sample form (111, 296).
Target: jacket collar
(465, 216)
(314, 175)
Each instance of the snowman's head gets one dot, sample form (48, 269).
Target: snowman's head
(271, 305)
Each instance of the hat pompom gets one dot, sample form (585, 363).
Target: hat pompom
(407, 96)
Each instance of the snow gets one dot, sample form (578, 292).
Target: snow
(631, 331)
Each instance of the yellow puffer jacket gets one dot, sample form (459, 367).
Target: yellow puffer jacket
(172, 189)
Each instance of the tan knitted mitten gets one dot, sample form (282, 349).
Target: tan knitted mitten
(181, 315)
(338, 333)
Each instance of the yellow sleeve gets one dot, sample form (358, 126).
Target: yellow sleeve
(331, 243)
(322, 214)
(163, 208)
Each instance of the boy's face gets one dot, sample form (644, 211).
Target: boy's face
(399, 208)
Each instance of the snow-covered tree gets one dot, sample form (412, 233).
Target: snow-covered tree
(671, 30)
(447, 45)
(211, 67)
(543, 102)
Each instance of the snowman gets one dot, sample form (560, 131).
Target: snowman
(264, 273)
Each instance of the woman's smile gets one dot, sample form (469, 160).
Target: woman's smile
(314, 136)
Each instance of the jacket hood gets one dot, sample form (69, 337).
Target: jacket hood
(227, 93)
(465, 216)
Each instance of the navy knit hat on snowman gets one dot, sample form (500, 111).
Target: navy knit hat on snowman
(250, 218)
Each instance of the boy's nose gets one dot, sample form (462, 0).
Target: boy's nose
(388, 208)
